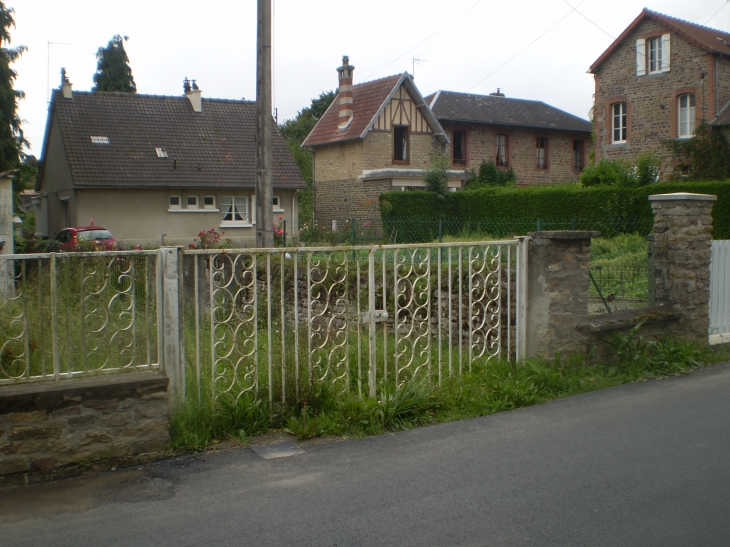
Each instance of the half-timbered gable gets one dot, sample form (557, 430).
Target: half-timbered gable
(404, 111)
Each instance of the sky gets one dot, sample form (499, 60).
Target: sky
(531, 49)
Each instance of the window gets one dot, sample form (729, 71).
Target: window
(501, 156)
(578, 155)
(208, 202)
(99, 140)
(618, 124)
(161, 152)
(234, 210)
(458, 146)
(191, 202)
(541, 153)
(652, 55)
(654, 49)
(175, 203)
(277, 204)
(686, 109)
(400, 143)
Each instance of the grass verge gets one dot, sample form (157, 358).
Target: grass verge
(491, 386)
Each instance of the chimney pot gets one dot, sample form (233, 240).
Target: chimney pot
(66, 86)
(497, 94)
(345, 93)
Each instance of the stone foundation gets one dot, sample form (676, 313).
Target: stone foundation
(57, 429)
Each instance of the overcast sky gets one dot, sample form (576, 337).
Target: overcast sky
(463, 45)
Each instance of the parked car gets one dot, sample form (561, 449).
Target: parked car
(76, 238)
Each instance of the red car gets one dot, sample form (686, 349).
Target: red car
(101, 238)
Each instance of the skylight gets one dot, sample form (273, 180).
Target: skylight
(161, 152)
(99, 140)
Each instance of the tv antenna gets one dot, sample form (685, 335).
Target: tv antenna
(48, 67)
(417, 60)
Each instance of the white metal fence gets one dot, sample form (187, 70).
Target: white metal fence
(720, 292)
(270, 323)
(73, 314)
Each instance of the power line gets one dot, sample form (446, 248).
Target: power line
(718, 11)
(586, 18)
(426, 39)
(527, 46)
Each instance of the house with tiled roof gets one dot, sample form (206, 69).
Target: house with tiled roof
(381, 135)
(146, 165)
(657, 81)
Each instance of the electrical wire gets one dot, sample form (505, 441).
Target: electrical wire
(718, 11)
(426, 39)
(527, 46)
(586, 18)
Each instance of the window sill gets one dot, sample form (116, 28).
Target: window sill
(236, 225)
(193, 210)
(279, 211)
(619, 144)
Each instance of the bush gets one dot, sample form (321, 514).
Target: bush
(706, 156)
(490, 175)
(437, 175)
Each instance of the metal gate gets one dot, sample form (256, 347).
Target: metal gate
(720, 292)
(273, 323)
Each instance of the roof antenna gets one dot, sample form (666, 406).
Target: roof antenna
(186, 85)
(417, 60)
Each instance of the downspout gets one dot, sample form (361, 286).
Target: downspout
(717, 86)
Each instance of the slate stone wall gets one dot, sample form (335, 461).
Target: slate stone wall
(47, 429)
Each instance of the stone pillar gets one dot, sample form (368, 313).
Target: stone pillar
(169, 323)
(557, 292)
(681, 258)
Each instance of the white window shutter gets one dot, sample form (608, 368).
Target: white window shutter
(665, 53)
(640, 57)
(253, 209)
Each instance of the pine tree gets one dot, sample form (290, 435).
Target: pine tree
(11, 134)
(112, 70)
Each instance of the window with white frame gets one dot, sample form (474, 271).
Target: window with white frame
(277, 204)
(174, 203)
(234, 210)
(191, 202)
(653, 55)
(208, 202)
(686, 110)
(618, 123)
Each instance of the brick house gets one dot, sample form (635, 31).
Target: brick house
(543, 144)
(657, 81)
(146, 165)
(381, 135)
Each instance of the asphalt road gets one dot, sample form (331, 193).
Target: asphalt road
(642, 464)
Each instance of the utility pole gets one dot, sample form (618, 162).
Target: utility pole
(264, 129)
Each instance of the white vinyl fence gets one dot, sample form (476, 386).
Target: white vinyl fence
(720, 292)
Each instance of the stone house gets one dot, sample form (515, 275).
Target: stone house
(657, 81)
(381, 135)
(146, 165)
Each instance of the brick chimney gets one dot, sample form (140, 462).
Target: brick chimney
(345, 75)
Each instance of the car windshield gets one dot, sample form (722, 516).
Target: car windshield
(89, 235)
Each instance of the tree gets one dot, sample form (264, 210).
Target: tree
(112, 70)
(11, 134)
(437, 175)
(294, 132)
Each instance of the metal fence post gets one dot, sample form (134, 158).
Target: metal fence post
(523, 243)
(171, 362)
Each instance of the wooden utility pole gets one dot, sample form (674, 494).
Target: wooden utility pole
(264, 130)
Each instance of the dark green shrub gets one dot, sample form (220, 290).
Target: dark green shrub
(490, 175)
(437, 175)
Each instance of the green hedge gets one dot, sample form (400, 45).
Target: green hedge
(627, 205)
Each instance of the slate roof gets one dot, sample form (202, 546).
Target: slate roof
(367, 100)
(451, 106)
(214, 148)
(705, 38)
(723, 116)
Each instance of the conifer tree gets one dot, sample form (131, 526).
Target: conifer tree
(11, 134)
(112, 69)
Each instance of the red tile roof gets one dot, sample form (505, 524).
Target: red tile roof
(705, 38)
(367, 99)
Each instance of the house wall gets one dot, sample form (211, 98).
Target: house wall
(652, 99)
(481, 145)
(140, 216)
(57, 184)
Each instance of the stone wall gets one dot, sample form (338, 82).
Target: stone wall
(681, 258)
(652, 98)
(56, 429)
(481, 144)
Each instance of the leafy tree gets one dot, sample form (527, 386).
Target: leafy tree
(437, 174)
(11, 134)
(112, 70)
(706, 156)
(294, 132)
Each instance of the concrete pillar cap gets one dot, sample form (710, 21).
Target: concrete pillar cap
(682, 196)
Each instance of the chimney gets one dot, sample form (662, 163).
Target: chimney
(345, 75)
(497, 94)
(66, 86)
(193, 93)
